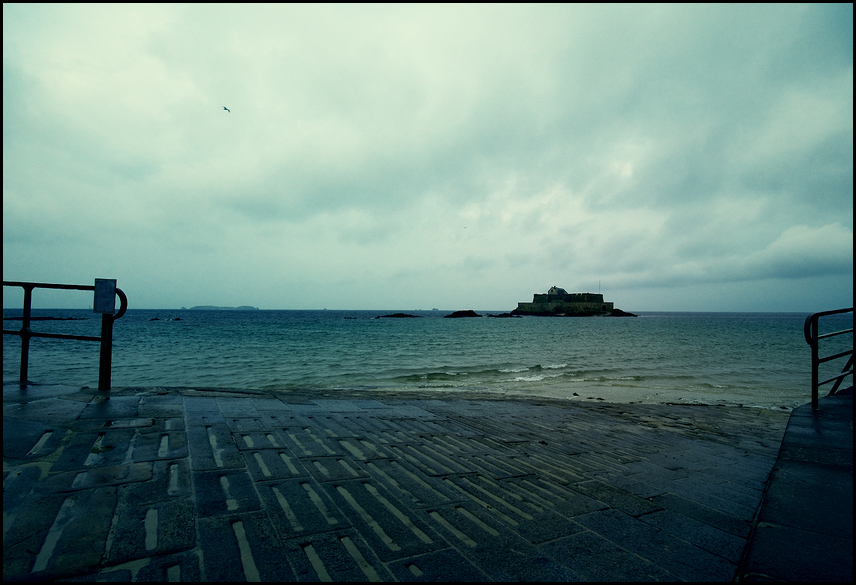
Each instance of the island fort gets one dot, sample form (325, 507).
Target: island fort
(559, 302)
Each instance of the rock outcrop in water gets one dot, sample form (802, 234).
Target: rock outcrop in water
(397, 316)
(459, 314)
(213, 308)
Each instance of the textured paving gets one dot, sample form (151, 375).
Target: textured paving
(165, 484)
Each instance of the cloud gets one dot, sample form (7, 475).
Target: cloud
(446, 149)
(804, 252)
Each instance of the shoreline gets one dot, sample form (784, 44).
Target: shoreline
(419, 394)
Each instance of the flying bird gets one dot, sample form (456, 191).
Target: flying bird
(227, 109)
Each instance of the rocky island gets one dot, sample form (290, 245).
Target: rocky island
(460, 314)
(213, 308)
(558, 302)
(397, 316)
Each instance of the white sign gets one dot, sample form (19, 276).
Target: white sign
(105, 296)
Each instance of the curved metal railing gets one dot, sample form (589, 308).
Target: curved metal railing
(105, 292)
(810, 329)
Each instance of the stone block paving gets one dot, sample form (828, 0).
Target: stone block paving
(181, 485)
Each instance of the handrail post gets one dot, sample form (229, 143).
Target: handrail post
(25, 335)
(105, 365)
(815, 362)
(105, 303)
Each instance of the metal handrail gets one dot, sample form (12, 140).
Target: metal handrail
(106, 338)
(810, 330)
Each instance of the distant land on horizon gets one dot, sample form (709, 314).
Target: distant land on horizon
(213, 308)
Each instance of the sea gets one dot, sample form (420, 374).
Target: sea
(750, 359)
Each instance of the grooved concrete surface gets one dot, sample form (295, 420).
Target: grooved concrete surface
(163, 484)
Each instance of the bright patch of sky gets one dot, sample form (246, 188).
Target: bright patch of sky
(400, 157)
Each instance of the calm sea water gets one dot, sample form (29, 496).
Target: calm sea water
(758, 359)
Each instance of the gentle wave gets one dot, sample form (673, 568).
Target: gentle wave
(534, 378)
(756, 359)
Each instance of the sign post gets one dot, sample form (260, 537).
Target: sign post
(105, 303)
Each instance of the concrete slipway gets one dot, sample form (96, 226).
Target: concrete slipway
(168, 484)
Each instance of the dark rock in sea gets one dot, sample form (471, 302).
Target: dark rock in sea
(459, 314)
(620, 313)
(506, 316)
(397, 316)
(155, 319)
(46, 318)
(214, 308)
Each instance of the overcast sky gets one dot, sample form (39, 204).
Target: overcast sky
(410, 157)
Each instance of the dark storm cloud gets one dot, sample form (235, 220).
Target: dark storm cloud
(446, 151)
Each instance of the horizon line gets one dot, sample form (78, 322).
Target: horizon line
(399, 309)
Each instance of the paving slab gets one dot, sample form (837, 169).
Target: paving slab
(167, 480)
(385, 523)
(299, 507)
(224, 492)
(242, 547)
(49, 411)
(487, 542)
(596, 558)
(113, 407)
(704, 536)
(23, 439)
(212, 447)
(158, 528)
(335, 556)
(804, 530)
(159, 484)
(675, 554)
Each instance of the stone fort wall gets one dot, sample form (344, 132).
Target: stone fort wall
(559, 307)
(558, 301)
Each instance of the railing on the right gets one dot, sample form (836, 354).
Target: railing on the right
(812, 338)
